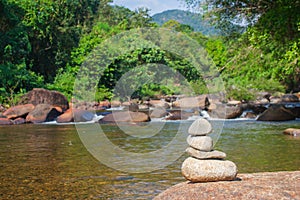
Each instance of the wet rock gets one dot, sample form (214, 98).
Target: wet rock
(42, 113)
(292, 131)
(18, 111)
(76, 115)
(43, 96)
(200, 127)
(250, 115)
(126, 116)
(289, 98)
(202, 143)
(201, 101)
(5, 121)
(19, 120)
(276, 113)
(158, 113)
(196, 170)
(82, 115)
(159, 104)
(222, 111)
(178, 115)
(134, 107)
(205, 155)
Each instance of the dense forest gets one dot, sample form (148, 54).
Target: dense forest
(44, 43)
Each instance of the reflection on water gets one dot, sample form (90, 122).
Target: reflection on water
(50, 161)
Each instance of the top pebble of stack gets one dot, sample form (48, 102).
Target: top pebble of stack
(200, 127)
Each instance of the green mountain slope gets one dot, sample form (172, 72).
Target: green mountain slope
(185, 17)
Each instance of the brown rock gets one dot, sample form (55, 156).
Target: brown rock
(192, 102)
(289, 98)
(159, 104)
(196, 170)
(5, 121)
(43, 96)
(76, 115)
(66, 117)
(19, 120)
(276, 113)
(292, 131)
(116, 104)
(226, 112)
(267, 186)
(250, 115)
(126, 116)
(18, 111)
(158, 113)
(205, 155)
(178, 115)
(42, 113)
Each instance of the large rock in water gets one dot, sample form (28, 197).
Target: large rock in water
(5, 121)
(126, 116)
(76, 115)
(18, 111)
(43, 96)
(292, 131)
(43, 113)
(289, 98)
(223, 111)
(196, 170)
(276, 113)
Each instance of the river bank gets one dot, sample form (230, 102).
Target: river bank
(40, 105)
(265, 185)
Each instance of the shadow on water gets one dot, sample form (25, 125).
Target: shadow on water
(50, 161)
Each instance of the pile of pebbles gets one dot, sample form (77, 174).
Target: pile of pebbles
(205, 164)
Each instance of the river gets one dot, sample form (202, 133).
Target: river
(51, 162)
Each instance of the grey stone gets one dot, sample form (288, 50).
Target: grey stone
(196, 170)
(202, 143)
(205, 155)
(200, 127)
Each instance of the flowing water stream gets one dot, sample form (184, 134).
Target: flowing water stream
(51, 162)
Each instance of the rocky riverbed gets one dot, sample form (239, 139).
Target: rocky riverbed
(40, 105)
(266, 185)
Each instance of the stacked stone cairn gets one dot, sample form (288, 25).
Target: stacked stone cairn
(205, 164)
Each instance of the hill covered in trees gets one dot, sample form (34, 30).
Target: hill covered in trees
(195, 20)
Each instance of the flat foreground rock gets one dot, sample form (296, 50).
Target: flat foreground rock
(267, 186)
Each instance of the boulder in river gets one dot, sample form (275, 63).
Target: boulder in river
(289, 98)
(19, 120)
(76, 115)
(292, 131)
(18, 111)
(5, 121)
(223, 111)
(43, 96)
(276, 113)
(42, 113)
(126, 116)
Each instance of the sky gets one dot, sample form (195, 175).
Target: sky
(155, 6)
